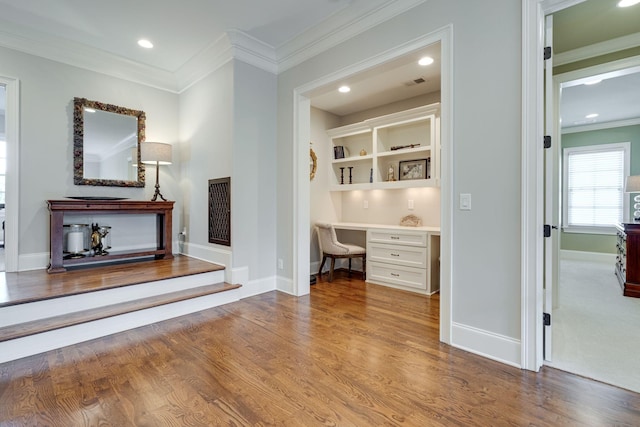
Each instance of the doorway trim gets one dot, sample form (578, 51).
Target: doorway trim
(301, 188)
(12, 120)
(532, 257)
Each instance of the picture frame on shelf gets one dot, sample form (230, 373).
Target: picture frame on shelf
(414, 169)
(338, 152)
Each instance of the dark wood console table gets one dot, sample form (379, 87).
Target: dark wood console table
(58, 208)
(628, 258)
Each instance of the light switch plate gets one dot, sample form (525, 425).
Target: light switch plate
(411, 206)
(465, 201)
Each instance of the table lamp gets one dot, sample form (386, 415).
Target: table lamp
(632, 185)
(158, 153)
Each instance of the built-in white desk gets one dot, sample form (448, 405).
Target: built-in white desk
(401, 257)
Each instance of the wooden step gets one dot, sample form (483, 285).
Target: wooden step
(51, 323)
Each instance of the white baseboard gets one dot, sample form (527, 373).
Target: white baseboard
(588, 256)
(486, 344)
(257, 287)
(285, 284)
(212, 254)
(35, 261)
(40, 260)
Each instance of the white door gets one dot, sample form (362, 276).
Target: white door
(551, 207)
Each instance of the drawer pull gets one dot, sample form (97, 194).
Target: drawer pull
(395, 274)
(395, 254)
(395, 238)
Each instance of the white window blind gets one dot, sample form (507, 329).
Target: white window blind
(594, 185)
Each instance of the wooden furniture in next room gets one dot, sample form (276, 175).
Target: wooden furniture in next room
(628, 258)
(60, 208)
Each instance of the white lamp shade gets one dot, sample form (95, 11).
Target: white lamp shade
(632, 185)
(155, 152)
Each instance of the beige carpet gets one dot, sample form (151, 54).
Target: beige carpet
(596, 330)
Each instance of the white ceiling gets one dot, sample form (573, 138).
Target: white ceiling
(615, 98)
(178, 29)
(181, 31)
(394, 81)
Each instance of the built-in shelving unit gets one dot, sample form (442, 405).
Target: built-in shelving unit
(370, 148)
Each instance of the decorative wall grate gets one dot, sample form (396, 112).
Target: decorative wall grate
(220, 211)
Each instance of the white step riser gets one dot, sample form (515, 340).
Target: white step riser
(38, 343)
(27, 312)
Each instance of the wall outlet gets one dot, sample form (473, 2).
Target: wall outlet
(365, 204)
(410, 204)
(280, 264)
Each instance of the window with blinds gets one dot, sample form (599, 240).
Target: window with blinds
(594, 199)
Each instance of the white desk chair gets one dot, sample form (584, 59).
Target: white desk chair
(331, 248)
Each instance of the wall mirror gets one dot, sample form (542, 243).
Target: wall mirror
(106, 144)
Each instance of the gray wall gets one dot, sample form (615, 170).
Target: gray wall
(486, 147)
(47, 89)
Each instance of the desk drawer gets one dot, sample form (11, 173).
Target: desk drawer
(398, 237)
(409, 256)
(397, 274)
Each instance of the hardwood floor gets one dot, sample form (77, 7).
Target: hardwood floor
(348, 354)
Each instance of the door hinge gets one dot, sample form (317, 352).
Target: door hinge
(547, 53)
(546, 319)
(546, 230)
(547, 141)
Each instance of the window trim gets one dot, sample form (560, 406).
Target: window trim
(626, 148)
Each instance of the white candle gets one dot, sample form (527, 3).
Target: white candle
(75, 241)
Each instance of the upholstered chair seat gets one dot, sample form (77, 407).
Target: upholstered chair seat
(330, 247)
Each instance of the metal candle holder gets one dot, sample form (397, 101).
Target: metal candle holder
(350, 178)
(342, 175)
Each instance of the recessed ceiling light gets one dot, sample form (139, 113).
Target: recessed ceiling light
(344, 89)
(591, 116)
(594, 81)
(427, 60)
(627, 3)
(145, 43)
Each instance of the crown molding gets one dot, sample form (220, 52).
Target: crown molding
(601, 126)
(79, 55)
(234, 44)
(335, 30)
(597, 49)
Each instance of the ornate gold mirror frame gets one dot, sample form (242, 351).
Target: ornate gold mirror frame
(81, 106)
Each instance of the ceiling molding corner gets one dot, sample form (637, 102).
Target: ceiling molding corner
(335, 30)
(598, 49)
(234, 44)
(253, 51)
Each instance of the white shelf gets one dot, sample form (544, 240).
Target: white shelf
(352, 159)
(350, 187)
(412, 183)
(404, 151)
(377, 136)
